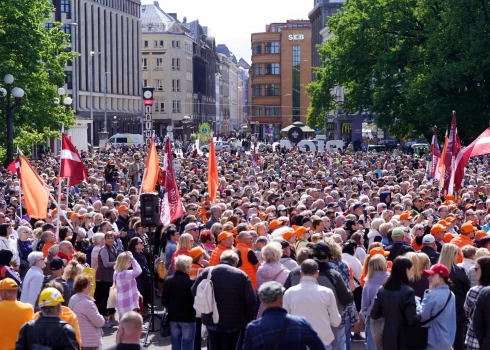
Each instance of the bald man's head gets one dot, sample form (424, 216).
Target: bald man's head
(130, 328)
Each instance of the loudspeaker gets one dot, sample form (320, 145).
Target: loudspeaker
(150, 209)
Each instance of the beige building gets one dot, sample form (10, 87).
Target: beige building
(167, 66)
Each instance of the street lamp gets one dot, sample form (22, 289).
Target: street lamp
(67, 101)
(6, 102)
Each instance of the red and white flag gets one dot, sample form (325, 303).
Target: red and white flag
(171, 208)
(255, 158)
(453, 148)
(71, 163)
(14, 167)
(436, 156)
(480, 146)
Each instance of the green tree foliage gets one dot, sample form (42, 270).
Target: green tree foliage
(36, 57)
(409, 62)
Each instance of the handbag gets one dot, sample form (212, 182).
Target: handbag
(111, 301)
(417, 337)
(161, 269)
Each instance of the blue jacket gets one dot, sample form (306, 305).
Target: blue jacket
(442, 330)
(264, 332)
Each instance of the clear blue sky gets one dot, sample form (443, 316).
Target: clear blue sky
(231, 23)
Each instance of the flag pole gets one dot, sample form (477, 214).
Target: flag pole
(141, 186)
(20, 192)
(58, 206)
(67, 192)
(58, 212)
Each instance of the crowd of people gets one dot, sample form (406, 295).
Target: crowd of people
(302, 250)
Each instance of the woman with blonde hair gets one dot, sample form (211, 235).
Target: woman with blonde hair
(186, 241)
(127, 298)
(419, 282)
(376, 276)
(72, 270)
(460, 287)
(373, 249)
(261, 229)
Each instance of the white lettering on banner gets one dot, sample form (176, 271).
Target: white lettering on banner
(293, 37)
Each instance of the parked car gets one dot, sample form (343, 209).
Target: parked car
(218, 146)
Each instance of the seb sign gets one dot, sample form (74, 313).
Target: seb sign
(293, 37)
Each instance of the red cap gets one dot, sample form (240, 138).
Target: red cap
(437, 268)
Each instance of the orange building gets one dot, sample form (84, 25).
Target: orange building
(281, 69)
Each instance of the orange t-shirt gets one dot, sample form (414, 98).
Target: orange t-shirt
(461, 241)
(46, 247)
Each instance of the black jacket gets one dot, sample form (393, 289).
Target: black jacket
(397, 249)
(398, 308)
(178, 299)
(234, 294)
(48, 331)
(431, 253)
(460, 287)
(481, 318)
(143, 280)
(329, 278)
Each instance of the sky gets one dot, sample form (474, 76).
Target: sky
(232, 22)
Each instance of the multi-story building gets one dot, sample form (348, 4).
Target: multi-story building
(234, 91)
(322, 10)
(205, 67)
(243, 96)
(105, 79)
(167, 66)
(281, 68)
(224, 93)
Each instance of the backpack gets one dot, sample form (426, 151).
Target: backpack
(204, 301)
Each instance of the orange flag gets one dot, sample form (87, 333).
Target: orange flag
(35, 196)
(212, 173)
(442, 162)
(152, 169)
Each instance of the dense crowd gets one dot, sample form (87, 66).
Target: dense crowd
(302, 250)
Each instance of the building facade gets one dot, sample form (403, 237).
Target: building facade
(106, 34)
(223, 119)
(281, 68)
(167, 66)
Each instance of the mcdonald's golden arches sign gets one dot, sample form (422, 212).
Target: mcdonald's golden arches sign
(330, 126)
(346, 128)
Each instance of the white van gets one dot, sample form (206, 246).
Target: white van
(126, 139)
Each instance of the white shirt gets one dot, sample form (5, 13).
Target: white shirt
(355, 264)
(317, 304)
(9, 244)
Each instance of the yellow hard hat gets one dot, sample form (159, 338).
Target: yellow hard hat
(50, 297)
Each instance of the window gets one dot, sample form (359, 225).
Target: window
(145, 43)
(257, 49)
(159, 84)
(258, 111)
(48, 25)
(257, 90)
(66, 28)
(176, 44)
(159, 63)
(155, 43)
(272, 111)
(175, 85)
(296, 83)
(257, 69)
(156, 107)
(145, 82)
(175, 63)
(162, 107)
(68, 80)
(160, 43)
(65, 6)
(145, 63)
(272, 47)
(178, 85)
(272, 69)
(176, 106)
(272, 90)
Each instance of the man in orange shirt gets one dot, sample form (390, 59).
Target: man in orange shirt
(465, 237)
(225, 242)
(14, 313)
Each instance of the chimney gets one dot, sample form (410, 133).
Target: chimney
(173, 15)
(156, 3)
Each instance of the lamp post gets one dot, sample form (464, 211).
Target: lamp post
(6, 102)
(67, 101)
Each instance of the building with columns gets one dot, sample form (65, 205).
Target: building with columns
(105, 80)
(167, 66)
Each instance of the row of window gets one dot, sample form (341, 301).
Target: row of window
(271, 47)
(270, 111)
(159, 84)
(158, 44)
(267, 69)
(160, 106)
(266, 90)
(159, 63)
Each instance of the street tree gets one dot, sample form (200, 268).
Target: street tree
(410, 63)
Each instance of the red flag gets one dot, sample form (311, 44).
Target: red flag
(450, 154)
(35, 195)
(152, 169)
(212, 173)
(71, 163)
(480, 146)
(456, 153)
(14, 167)
(436, 155)
(171, 208)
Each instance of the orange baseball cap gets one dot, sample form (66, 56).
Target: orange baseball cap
(196, 252)
(261, 215)
(288, 235)
(300, 231)
(223, 235)
(468, 206)
(378, 250)
(437, 228)
(467, 227)
(405, 216)
(122, 208)
(450, 219)
(76, 215)
(442, 222)
(295, 227)
(480, 234)
(448, 237)
(274, 224)
(450, 197)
